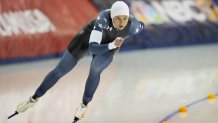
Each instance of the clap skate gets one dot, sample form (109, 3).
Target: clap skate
(23, 106)
(80, 112)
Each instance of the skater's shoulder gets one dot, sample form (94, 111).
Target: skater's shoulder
(104, 13)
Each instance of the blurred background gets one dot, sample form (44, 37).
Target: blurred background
(172, 62)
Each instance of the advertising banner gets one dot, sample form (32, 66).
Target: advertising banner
(40, 28)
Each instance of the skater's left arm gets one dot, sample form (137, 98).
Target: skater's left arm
(136, 27)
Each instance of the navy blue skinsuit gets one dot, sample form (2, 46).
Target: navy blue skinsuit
(101, 54)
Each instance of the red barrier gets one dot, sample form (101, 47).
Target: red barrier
(31, 28)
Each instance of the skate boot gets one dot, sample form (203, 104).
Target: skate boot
(80, 111)
(26, 104)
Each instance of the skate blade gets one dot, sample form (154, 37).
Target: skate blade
(15, 113)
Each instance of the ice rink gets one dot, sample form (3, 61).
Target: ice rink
(142, 86)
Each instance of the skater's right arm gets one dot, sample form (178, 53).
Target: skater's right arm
(95, 46)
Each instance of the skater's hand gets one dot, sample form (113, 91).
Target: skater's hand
(118, 41)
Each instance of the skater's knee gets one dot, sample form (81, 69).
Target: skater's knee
(57, 72)
(96, 70)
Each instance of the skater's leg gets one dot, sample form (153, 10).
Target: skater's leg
(66, 64)
(99, 63)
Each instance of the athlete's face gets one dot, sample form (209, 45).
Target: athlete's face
(120, 21)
